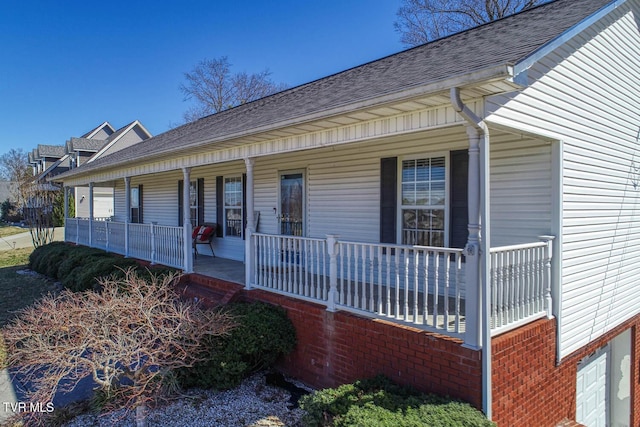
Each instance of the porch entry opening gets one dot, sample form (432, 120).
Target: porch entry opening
(292, 204)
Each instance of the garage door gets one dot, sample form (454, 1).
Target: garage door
(102, 206)
(592, 400)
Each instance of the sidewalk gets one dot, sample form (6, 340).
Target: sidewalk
(23, 240)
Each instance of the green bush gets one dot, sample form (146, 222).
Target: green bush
(86, 275)
(379, 402)
(79, 267)
(263, 334)
(48, 257)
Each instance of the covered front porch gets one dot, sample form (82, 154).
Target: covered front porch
(425, 287)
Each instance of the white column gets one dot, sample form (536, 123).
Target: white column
(333, 250)
(472, 249)
(90, 214)
(250, 229)
(187, 227)
(127, 217)
(548, 256)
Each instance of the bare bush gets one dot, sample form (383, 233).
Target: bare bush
(127, 338)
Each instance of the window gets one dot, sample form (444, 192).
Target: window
(193, 202)
(136, 204)
(233, 206)
(423, 201)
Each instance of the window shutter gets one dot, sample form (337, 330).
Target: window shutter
(200, 201)
(219, 205)
(459, 202)
(140, 198)
(244, 203)
(180, 203)
(388, 199)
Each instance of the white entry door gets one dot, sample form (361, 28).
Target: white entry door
(592, 400)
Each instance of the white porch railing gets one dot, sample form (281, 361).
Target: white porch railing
(520, 285)
(422, 286)
(158, 244)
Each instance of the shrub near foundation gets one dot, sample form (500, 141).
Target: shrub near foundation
(379, 402)
(263, 334)
(78, 268)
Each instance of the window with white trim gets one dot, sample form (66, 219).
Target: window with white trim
(233, 206)
(423, 201)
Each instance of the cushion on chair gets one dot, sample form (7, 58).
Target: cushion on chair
(206, 233)
(196, 231)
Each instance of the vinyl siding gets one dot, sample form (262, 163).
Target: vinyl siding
(342, 187)
(585, 96)
(130, 138)
(520, 189)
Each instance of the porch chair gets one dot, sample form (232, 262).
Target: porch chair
(203, 235)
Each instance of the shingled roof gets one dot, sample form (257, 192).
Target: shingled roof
(84, 144)
(55, 151)
(504, 42)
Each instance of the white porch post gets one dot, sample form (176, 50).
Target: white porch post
(186, 223)
(472, 250)
(127, 217)
(332, 249)
(91, 214)
(248, 243)
(548, 255)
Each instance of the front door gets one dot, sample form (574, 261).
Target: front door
(292, 204)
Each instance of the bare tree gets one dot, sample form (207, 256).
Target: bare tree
(214, 88)
(135, 330)
(420, 21)
(14, 166)
(34, 198)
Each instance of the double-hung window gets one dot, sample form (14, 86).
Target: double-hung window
(136, 204)
(193, 202)
(423, 201)
(233, 206)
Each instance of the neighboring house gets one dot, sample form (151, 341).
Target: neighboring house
(50, 160)
(481, 189)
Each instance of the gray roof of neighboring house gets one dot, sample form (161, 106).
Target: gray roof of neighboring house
(506, 41)
(85, 144)
(56, 151)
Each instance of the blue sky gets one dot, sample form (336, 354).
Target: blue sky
(69, 65)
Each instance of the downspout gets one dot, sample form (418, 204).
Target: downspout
(477, 123)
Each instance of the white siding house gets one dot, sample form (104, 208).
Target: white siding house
(489, 179)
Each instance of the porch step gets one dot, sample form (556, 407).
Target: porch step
(209, 291)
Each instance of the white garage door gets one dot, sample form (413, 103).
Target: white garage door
(102, 207)
(592, 400)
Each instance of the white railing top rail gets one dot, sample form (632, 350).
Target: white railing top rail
(518, 247)
(396, 246)
(313, 239)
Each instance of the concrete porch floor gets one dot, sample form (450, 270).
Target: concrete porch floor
(220, 268)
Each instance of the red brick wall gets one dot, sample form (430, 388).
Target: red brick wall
(338, 348)
(530, 389)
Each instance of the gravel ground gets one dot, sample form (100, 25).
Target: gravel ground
(253, 403)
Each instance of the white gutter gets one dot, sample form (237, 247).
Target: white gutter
(485, 244)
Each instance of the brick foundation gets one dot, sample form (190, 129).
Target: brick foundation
(530, 389)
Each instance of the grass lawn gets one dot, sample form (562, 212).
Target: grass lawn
(9, 230)
(17, 291)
